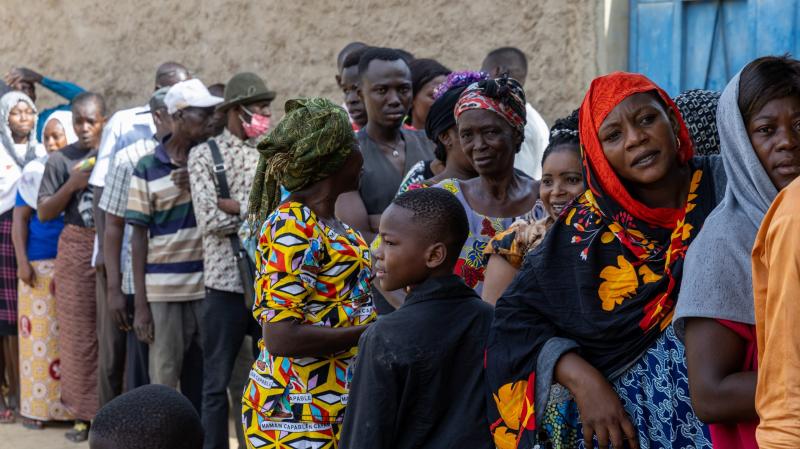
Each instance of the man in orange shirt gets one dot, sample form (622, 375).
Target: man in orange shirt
(776, 283)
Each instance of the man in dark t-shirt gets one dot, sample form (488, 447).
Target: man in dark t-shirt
(389, 150)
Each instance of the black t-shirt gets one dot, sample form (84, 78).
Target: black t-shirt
(380, 179)
(56, 173)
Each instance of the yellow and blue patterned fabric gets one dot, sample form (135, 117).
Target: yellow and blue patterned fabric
(311, 274)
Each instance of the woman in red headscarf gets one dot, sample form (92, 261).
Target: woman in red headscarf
(582, 347)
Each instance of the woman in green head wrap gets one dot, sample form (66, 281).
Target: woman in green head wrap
(313, 271)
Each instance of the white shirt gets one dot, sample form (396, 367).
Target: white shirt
(537, 135)
(124, 128)
(10, 174)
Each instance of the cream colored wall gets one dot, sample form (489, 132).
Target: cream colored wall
(114, 46)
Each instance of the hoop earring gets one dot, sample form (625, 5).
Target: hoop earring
(679, 143)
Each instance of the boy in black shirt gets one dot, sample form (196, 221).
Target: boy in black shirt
(418, 380)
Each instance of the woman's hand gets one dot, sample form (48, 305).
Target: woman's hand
(599, 405)
(26, 274)
(602, 415)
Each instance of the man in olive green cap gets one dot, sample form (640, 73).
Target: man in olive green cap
(224, 319)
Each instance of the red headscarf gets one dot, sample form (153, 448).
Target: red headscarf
(604, 94)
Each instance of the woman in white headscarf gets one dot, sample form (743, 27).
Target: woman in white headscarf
(35, 244)
(757, 118)
(18, 146)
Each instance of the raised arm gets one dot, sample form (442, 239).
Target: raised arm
(53, 196)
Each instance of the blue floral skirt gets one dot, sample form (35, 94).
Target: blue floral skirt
(654, 392)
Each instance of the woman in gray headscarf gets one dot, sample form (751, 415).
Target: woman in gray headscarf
(759, 126)
(19, 146)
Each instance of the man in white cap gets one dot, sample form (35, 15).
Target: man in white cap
(121, 354)
(167, 246)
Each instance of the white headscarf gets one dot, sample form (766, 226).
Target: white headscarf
(65, 118)
(31, 179)
(7, 103)
(717, 276)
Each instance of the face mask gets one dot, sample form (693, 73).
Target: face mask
(259, 124)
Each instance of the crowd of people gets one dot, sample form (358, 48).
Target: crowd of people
(423, 264)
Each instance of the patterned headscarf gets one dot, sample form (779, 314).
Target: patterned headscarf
(699, 110)
(7, 103)
(503, 96)
(311, 143)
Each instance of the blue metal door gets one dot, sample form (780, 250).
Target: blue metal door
(701, 44)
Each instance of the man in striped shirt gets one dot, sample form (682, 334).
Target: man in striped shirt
(167, 246)
(118, 342)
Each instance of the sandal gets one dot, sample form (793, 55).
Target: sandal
(7, 416)
(32, 424)
(79, 432)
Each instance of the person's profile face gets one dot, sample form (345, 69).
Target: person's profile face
(386, 92)
(424, 98)
(400, 259)
(349, 85)
(194, 123)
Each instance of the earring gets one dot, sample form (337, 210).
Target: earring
(678, 140)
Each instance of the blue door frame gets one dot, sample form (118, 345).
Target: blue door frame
(701, 44)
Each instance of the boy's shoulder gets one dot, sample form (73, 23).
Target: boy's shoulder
(408, 322)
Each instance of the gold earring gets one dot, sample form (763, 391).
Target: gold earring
(678, 140)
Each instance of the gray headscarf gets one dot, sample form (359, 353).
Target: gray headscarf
(717, 274)
(7, 103)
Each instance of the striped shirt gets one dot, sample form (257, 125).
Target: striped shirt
(115, 199)
(174, 270)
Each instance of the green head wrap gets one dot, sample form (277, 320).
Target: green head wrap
(311, 143)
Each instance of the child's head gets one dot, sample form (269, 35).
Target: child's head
(422, 233)
(562, 174)
(149, 417)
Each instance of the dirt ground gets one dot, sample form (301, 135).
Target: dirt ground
(52, 437)
(14, 436)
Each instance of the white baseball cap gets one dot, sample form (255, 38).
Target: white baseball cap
(189, 93)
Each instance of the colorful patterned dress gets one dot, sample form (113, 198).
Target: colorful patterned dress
(310, 274)
(472, 262)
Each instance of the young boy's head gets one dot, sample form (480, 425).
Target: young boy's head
(422, 233)
(149, 417)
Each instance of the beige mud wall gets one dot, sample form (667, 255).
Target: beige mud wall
(113, 46)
